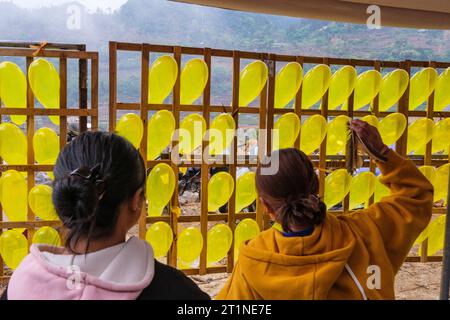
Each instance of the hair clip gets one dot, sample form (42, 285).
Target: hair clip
(93, 176)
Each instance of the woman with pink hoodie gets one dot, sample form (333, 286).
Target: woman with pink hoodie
(98, 194)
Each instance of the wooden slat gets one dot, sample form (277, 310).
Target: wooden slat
(49, 112)
(113, 84)
(30, 53)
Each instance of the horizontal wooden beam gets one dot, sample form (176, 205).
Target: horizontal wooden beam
(50, 112)
(69, 54)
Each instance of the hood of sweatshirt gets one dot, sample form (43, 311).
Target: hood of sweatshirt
(275, 266)
(117, 272)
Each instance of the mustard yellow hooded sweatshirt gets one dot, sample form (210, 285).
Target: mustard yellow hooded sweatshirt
(349, 256)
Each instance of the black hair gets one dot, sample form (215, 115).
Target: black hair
(94, 174)
(292, 191)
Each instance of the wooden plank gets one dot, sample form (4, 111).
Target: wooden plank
(82, 91)
(323, 145)
(94, 95)
(113, 85)
(13, 52)
(49, 112)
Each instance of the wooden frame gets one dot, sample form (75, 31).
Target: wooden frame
(267, 114)
(63, 52)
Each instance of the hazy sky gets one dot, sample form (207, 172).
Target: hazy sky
(90, 4)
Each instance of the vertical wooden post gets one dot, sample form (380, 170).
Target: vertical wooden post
(82, 89)
(298, 105)
(30, 151)
(112, 85)
(403, 107)
(323, 145)
(204, 166)
(94, 94)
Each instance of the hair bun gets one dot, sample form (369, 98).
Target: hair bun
(309, 210)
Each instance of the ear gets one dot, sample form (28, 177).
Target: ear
(137, 200)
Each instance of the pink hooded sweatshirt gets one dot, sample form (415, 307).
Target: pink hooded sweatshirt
(118, 272)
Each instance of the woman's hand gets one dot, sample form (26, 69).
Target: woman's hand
(369, 136)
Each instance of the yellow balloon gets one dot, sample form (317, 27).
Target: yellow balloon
(13, 144)
(337, 186)
(247, 229)
(337, 135)
(442, 91)
(252, 80)
(367, 87)
(429, 172)
(441, 134)
(220, 189)
(315, 84)
(221, 133)
(13, 248)
(420, 133)
(160, 188)
(421, 86)
(40, 201)
(162, 77)
(13, 89)
(362, 187)
(245, 191)
(392, 127)
(342, 84)
(192, 130)
(219, 241)
(436, 233)
(14, 195)
(381, 190)
(131, 128)
(314, 130)
(393, 86)
(160, 237)
(287, 83)
(48, 236)
(372, 120)
(183, 170)
(193, 80)
(160, 131)
(286, 130)
(46, 146)
(189, 245)
(441, 184)
(45, 83)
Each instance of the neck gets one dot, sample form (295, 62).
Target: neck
(98, 244)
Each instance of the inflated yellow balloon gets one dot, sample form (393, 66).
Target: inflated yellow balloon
(342, 84)
(160, 237)
(13, 248)
(220, 189)
(371, 119)
(14, 195)
(436, 234)
(442, 91)
(47, 235)
(367, 87)
(192, 130)
(13, 89)
(221, 133)
(219, 241)
(287, 83)
(160, 188)
(393, 86)
(45, 83)
(247, 229)
(131, 128)
(421, 86)
(337, 186)
(189, 245)
(441, 134)
(362, 187)
(13, 144)
(337, 135)
(193, 80)
(40, 201)
(252, 80)
(420, 133)
(286, 130)
(441, 183)
(429, 172)
(159, 134)
(314, 130)
(245, 191)
(162, 77)
(315, 84)
(392, 127)
(46, 146)
(380, 190)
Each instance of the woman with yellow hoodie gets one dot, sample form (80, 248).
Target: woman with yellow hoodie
(324, 256)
